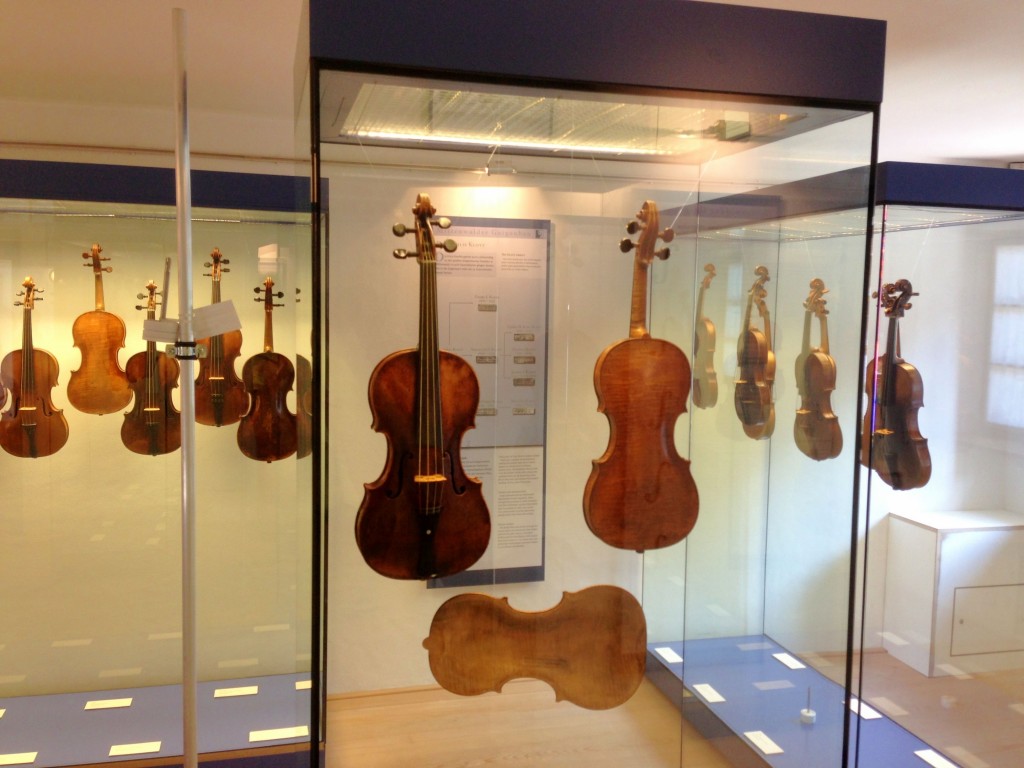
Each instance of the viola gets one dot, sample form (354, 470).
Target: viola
(220, 395)
(100, 385)
(754, 396)
(705, 380)
(590, 648)
(640, 494)
(31, 426)
(424, 517)
(267, 430)
(153, 425)
(891, 442)
(816, 429)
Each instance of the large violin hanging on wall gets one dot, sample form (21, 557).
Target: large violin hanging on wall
(31, 426)
(220, 395)
(267, 430)
(705, 380)
(100, 385)
(754, 396)
(153, 426)
(816, 429)
(640, 494)
(423, 517)
(891, 443)
(590, 648)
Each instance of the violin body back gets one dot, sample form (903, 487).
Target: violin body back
(100, 385)
(705, 380)
(816, 428)
(399, 533)
(590, 648)
(753, 397)
(640, 494)
(31, 426)
(268, 431)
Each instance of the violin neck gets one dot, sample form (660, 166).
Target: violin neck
(823, 323)
(638, 308)
(268, 326)
(98, 283)
(215, 299)
(428, 390)
(27, 358)
(700, 302)
(806, 346)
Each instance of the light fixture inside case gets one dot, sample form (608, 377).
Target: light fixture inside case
(432, 114)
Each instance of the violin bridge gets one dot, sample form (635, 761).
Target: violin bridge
(429, 478)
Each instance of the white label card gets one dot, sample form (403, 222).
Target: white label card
(860, 708)
(244, 690)
(19, 758)
(294, 732)
(933, 758)
(215, 319)
(108, 703)
(789, 661)
(760, 740)
(669, 655)
(142, 748)
(709, 694)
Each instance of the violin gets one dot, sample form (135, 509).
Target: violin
(153, 425)
(267, 430)
(304, 406)
(754, 398)
(220, 395)
(100, 385)
(816, 429)
(31, 426)
(705, 381)
(640, 494)
(590, 648)
(424, 517)
(891, 442)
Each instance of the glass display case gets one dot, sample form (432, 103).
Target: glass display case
(90, 525)
(647, 316)
(943, 646)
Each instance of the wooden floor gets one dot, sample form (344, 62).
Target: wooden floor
(975, 720)
(521, 727)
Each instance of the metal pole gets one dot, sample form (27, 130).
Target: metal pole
(186, 355)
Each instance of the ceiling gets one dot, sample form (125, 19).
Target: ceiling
(954, 85)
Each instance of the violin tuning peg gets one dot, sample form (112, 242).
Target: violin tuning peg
(400, 253)
(225, 261)
(399, 229)
(450, 245)
(667, 235)
(442, 222)
(257, 289)
(207, 264)
(662, 254)
(633, 227)
(626, 245)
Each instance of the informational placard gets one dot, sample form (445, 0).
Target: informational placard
(492, 297)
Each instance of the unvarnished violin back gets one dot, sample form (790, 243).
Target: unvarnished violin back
(590, 648)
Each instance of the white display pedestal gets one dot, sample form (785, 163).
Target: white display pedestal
(954, 591)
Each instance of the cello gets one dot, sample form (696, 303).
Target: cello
(754, 397)
(424, 517)
(891, 442)
(267, 430)
(705, 381)
(31, 426)
(816, 428)
(220, 395)
(153, 425)
(640, 494)
(100, 385)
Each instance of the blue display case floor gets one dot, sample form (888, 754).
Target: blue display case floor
(758, 690)
(100, 726)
